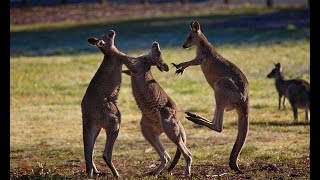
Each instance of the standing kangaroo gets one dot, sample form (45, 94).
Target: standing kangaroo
(229, 84)
(99, 107)
(158, 109)
(296, 90)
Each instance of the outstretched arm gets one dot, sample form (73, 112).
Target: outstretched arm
(180, 67)
(127, 72)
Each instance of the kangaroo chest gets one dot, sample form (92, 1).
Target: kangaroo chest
(210, 72)
(149, 96)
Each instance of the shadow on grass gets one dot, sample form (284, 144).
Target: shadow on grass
(276, 123)
(236, 29)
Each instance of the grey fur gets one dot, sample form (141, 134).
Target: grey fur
(159, 112)
(99, 104)
(296, 90)
(229, 84)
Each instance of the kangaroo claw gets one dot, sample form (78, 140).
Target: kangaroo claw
(195, 116)
(179, 71)
(195, 120)
(174, 65)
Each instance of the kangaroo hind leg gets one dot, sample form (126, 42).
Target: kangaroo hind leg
(151, 134)
(175, 132)
(107, 155)
(90, 134)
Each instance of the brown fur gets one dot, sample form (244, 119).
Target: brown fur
(159, 112)
(99, 107)
(229, 84)
(296, 90)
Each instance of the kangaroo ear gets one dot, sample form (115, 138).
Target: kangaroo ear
(195, 26)
(191, 24)
(278, 65)
(112, 34)
(93, 41)
(155, 46)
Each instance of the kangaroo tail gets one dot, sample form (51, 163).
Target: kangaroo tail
(243, 125)
(175, 160)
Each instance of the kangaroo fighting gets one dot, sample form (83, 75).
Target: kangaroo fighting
(159, 112)
(99, 104)
(229, 84)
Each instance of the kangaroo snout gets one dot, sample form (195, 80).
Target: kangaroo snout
(163, 67)
(184, 46)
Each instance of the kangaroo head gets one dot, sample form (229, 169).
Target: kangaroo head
(276, 72)
(156, 58)
(193, 36)
(105, 42)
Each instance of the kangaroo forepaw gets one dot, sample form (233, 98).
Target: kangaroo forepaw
(179, 71)
(174, 65)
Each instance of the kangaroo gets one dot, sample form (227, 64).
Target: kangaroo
(99, 104)
(296, 90)
(229, 84)
(159, 112)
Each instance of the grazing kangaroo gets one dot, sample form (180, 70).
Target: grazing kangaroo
(296, 90)
(229, 84)
(159, 112)
(99, 107)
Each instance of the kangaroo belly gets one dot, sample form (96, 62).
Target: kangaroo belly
(149, 97)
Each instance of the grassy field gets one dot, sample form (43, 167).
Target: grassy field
(50, 69)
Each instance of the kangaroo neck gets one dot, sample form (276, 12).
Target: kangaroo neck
(280, 79)
(107, 80)
(205, 48)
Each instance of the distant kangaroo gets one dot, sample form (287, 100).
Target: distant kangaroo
(159, 112)
(99, 107)
(229, 84)
(296, 90)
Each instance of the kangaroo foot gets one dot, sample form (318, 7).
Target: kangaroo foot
(153, 173)
(195, 116)
(198, 119)
(97, 172)
(216, 127)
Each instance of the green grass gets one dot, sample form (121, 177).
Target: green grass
(46, 91)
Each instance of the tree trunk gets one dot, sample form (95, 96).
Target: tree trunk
(145, 1)
(102, 1)
(184, 1)
(24, 3)
(226, 1)
(270, 3)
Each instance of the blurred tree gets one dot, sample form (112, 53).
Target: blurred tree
(24, 3)
(64, 1)
(269, 3)
(226, 1)
(145, 1)
(102, 1)
(184, 1)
